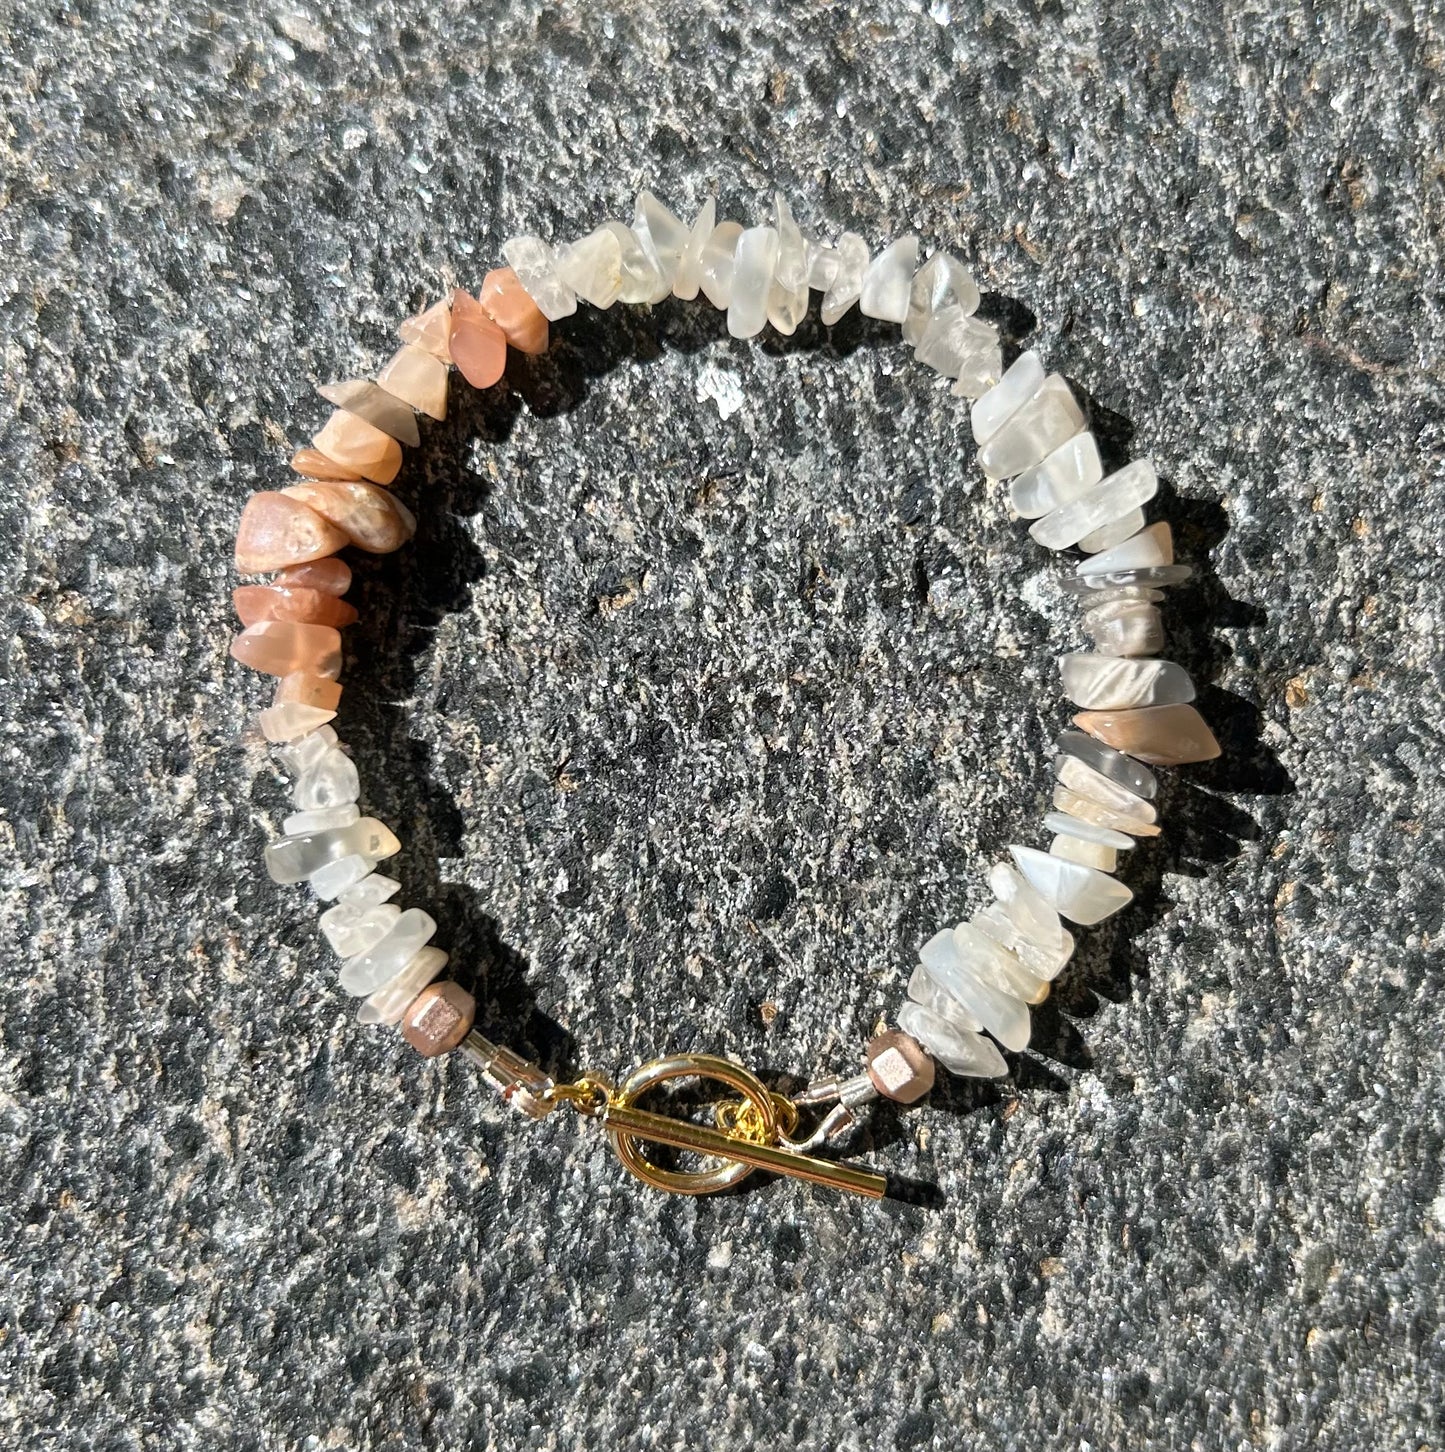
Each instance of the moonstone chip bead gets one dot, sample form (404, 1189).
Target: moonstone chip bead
(1114, 766)
(1082, 894)
(321, 819)
(390, 1001)
(1140, 551)
(1154, 577)
(359, 445)
(716, 264)
(888, 279)
(374, 888)
(898, 1067)
(663, 237)
(535, 264)
(992, 963)
(1076, 773)
(1115, 532)
(278, 647)
(822, 266)
(978, 373)
(479, 346)
(1003, 1015)
(1160, 735)
(362, 975)
(1084, 852)
(417, 378)
(429, 330)
(1118, 683)
(788, 295)
(291, 859)
(953, 342)
(923, 989)
(313, 464)
(1122, 491)
(687, 280)
(1043, 960)
(847, 285)
(1125, 627)
(351, 928)
(298, 755)
(1033, 431)
(331, 781)
(1026, 908)
(369, 401)
(277, 602)
(288, 721)
(307, 690)
(960, 1052)
(1071, 470)
(335, 877)
(642, 279)
(1087, 831)
(371, 518)
(438, 1019)
(1088, 810)
(943, 282)
(753, 267)
(510, 307)
(1021, 380)
(276, 531)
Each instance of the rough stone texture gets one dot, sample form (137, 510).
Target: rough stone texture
(712, 677)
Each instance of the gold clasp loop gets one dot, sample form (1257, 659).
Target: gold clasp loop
(749, 1134)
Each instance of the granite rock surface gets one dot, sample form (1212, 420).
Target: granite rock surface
(712, 682)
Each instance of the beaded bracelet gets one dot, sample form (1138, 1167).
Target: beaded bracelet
(975, 979)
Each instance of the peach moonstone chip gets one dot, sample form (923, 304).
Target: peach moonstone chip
(282, 647)
(279, 602)
(372, 519)
(430, 330)
(313, 464)
(512, 309)
(331, 576)
(479, 346)
(417, 377)
(353, 443)
(1160, 735)
(276, 531)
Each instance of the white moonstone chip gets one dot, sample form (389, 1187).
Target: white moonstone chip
(1125, 627)
(1033, 431)
(923, 989)
(753, 267)
(959, 1051)
(1139, 551)
(289, 720)
(307, 750)
(942, 282)
(320, 818)
(990, 962)
(1043, 960)
(1082, 894)
(1120, 683)
(643, 279)
(375, 887)
(592, 267)
(1021, 380)
(535, 264)
(1115, 532)
(290, 859)
(1071, 470)
(1088, 831)
(1003, 1015)
(888, 280)
(353, 928)
(788, 295)
(330, 781)
(1132, 485)
(1084, 852)
(362, 975)
(852, 262)
(663, 237)
(687, 281)
(332, 880)
(390, 1001)
(954, 342)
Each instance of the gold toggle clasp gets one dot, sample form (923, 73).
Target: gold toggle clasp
(750, 1132)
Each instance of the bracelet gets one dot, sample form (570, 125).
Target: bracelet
(974, 982)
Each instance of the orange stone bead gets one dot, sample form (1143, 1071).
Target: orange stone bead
(513, 311)
(281, 647)
(303, 689)
(372, 519)
(313, 464)
(355, 444)
(331, 576)
(275, 532)
(280, 602)
(479, 346)
(438, 1018)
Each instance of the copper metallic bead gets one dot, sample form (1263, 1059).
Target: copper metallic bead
(439, 1018)
(899, 1067)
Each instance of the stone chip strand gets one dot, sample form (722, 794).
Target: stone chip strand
(976, 980)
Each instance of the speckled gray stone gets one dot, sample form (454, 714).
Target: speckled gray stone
(713, 676)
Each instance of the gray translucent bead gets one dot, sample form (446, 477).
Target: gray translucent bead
(663, 237)
(1033, 431)
(362, 975)
(822, 266)
(390, 1001)
(353, 928)
(1143, 549)
(319, 820)
(292, 859)
(978, 373)
(1122, 770)
(959, 1051)
(592, 267)
(753, 267)
(1082, 779)
(1121, 683)
(1071, 470)
(1003, 1015)
(923, 989)
(1021, 380)
(535, 264)
(715, 267)
(369, 401)
(942, 282)
(851, 255)
(1072, 826)
(1153, 577)
(1081, 894)
(1116, 495)
(331, 781)
(887, 281)
(1099, 541)
(953, 339)
(643, 280)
